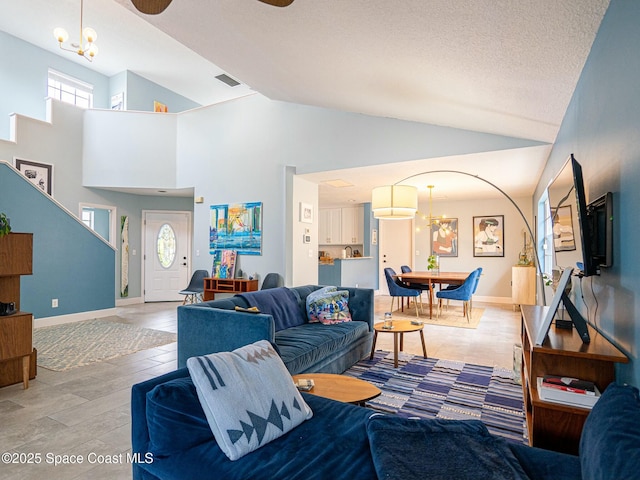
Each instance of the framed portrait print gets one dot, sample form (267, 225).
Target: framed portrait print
(488, 236)
(306, 212)
(444, 237)
(40, 174)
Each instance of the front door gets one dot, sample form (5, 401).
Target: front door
(396, 247)
(167, 255)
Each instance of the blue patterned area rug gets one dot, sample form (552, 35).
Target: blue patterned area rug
(431, 388)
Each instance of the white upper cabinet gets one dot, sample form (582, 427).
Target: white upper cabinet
(352, 225)
(329, 226)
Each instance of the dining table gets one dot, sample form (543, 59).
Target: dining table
(430, 277)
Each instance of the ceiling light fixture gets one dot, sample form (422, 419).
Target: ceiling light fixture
(89, 50)
(394, 202)
(433, 220)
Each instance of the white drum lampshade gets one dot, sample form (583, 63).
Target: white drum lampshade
(394, 202)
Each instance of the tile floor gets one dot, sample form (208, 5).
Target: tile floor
(85, 411)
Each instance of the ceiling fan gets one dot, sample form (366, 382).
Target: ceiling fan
(153, 7)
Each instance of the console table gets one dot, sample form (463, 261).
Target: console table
(17, 355)
(551, 425)
(227, 285)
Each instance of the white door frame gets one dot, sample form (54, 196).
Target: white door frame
(143, 236)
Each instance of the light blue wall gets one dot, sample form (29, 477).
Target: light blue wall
(23, 80)
(70, 263)
(141, 94)
(238, 151)
(23, 83)
(601, 129)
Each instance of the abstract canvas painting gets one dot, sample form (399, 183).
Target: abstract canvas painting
(236, 227)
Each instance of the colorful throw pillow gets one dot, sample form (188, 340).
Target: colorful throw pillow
(248, 397)
(329, 307)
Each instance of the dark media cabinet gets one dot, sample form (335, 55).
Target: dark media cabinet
(555, 426)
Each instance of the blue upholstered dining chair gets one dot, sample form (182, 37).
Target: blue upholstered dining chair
(193, 292)
(463, 293)
(398, 291)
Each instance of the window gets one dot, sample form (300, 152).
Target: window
(70, 90)
(166, 246)
(88, 218)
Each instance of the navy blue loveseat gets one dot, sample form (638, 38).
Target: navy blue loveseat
(172, 439)
(216, 326)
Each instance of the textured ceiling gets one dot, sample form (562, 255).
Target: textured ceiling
(506, 67)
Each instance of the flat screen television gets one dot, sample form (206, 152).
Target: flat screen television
(582, 232)
(582, 235)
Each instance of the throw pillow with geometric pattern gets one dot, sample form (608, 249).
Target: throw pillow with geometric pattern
(248, 397)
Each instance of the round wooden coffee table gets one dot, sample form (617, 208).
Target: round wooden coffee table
(400, 327)
(340, 387)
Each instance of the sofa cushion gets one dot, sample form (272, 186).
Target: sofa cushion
(303, 346)
(328, 306)
(609, 445)
(436, 449)
(175, 418)
(281, 303)
(248, 397)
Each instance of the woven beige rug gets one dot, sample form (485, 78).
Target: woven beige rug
(71, 345)
(451, 317)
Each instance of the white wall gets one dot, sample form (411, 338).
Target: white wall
(496, 273)
(129, 149)
(306, 254)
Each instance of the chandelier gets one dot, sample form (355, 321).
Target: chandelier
(431, 219)
(88, 35)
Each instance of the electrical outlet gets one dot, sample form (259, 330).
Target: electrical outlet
(54, 303)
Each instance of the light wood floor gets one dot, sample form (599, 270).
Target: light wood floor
(85, 411)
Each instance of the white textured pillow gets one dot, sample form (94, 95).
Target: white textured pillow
(248, 397)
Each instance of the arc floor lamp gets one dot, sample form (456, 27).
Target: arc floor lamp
(397, 202)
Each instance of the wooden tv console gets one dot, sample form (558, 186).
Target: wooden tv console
(551, 425)
(227, 285)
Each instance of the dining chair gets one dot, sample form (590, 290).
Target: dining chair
(193, 292)
(397, 290)
(463, 293)
(272, 280)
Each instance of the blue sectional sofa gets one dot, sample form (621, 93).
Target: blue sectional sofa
(216, 326)
(172, 440)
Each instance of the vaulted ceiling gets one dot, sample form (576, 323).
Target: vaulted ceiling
(506, 67)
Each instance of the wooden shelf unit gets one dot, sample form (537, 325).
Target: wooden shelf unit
(555, 426)
(17, 355)
(523, 285)
(227, 285)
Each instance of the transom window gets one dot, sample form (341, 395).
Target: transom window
(70, 90)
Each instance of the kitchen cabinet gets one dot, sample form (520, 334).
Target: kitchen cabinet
(330, 226)
(352, 225)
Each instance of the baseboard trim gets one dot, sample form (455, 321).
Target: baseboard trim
(73, 317)
(122, 302)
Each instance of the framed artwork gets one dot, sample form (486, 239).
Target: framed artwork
(488, 236)
(159, 107)
(40, 174)
(224, 264)
(563, 237)
(306, 212)
(236, 227)
(444, 238)
(117, 101)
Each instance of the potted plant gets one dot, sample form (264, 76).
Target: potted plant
(5, 226)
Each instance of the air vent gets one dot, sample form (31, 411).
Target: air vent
(224, 78)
